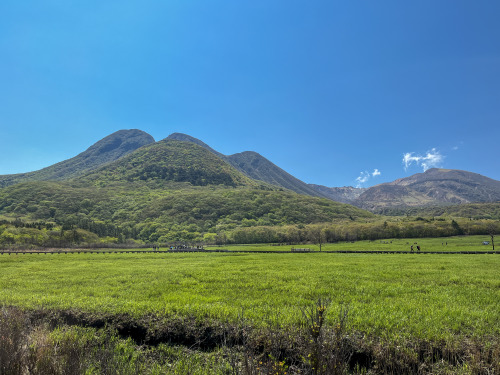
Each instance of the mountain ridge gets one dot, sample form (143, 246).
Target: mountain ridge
(435, 186)
(257, 167)
(106, 150)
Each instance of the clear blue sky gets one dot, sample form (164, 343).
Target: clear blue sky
(334, 92)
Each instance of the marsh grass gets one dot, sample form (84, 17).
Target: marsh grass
(251, 313)
(429, 297)
(455, 243)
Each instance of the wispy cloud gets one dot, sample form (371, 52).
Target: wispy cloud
(455, 148)
(365, 176)
(432, 159)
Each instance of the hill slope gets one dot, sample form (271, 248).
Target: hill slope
(433, 187)
(170, 161)
(257, 167)
(105, 151)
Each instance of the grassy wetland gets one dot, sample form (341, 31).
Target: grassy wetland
(396, 313)
(446, 244)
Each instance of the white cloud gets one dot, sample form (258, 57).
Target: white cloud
(365, 176)
(432, 159)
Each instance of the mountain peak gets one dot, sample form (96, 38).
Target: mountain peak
(187, 138)
(119, 143)
(108, 149)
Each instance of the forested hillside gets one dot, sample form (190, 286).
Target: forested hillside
(256, 167)
(167, 191)
(170, 161)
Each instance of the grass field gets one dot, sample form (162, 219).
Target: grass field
(457, 243)
(425, 296)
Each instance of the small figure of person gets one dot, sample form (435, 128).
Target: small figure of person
(411, 248)
(418, 248)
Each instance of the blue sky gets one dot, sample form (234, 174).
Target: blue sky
(335, 92)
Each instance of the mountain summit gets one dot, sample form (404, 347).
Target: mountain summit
(108, 149)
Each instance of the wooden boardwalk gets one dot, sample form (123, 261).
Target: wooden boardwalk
(105, 252)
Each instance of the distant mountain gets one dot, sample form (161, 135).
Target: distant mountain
(433, 187)
(106, 150)
(258, 168)
(346, 194)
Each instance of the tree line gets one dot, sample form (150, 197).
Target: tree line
(79, 231)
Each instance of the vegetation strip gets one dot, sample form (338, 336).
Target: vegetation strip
(69, 341)
(249, 252)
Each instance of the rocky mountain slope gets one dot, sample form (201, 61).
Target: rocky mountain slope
(433, 187)
(345, 194)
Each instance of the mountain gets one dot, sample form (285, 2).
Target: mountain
(433, 187)
(257, 167)
(346, 194)
(168, 191)
(105, 151)
(188, 138)
(169, 161)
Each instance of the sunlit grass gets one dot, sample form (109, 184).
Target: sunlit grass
(456, 243)
(427, 296)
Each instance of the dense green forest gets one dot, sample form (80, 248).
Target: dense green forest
(169, 160)
(135, 211)
(74, 214)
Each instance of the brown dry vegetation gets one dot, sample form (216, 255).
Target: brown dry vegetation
(71, 342)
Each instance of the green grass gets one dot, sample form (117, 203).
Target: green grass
(424, 296)
(456, 243)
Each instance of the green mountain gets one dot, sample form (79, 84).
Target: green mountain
(188, 138)
(106, 150)
(170, 161)
(167, 191)
(258, 168)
